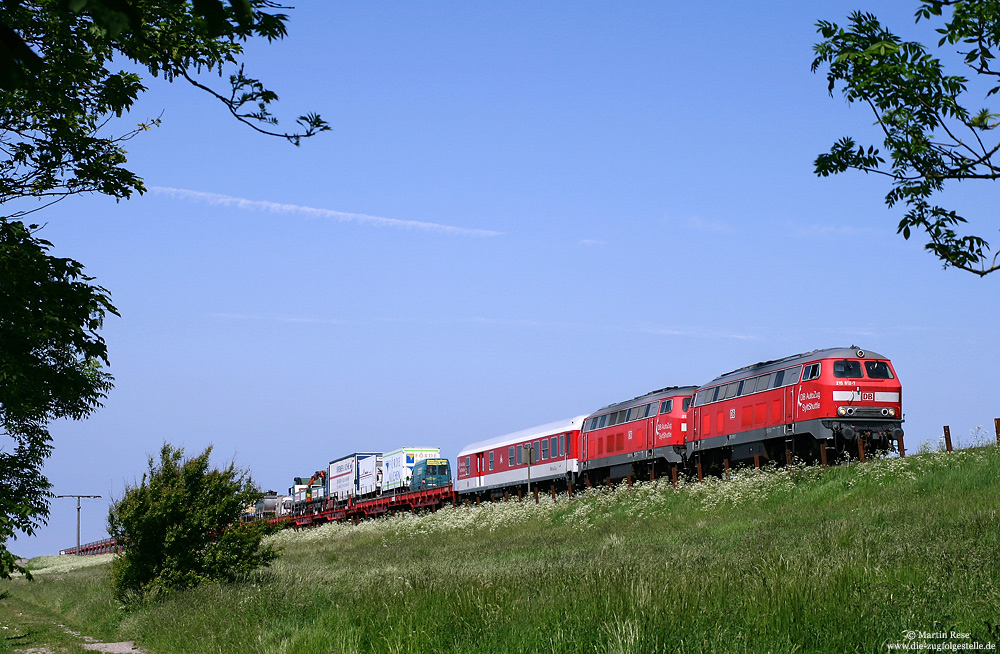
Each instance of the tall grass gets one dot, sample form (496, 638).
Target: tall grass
(801, 559)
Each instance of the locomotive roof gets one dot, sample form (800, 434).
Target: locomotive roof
(768, 366)
(550, 429)
(663, 393)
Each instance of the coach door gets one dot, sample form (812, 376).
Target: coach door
(480, 469)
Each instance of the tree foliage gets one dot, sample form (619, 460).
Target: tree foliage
(930, 134)
(51, 358)
(181, 526)
(60, 90)
(70, 72)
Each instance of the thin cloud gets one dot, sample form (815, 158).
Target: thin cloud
(218, 200)
(279, 318)
(710, 226)
(499, 322)
(831, 231)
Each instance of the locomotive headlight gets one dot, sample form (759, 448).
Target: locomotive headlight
(892, 412)
(842, 411)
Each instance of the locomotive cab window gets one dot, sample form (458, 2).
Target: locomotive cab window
(847, 369)
(686, 404)
(878, 370)
(666, 406)
(811, 372)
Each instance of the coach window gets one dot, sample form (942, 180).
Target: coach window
(878, 370)
(562, 444)
(666, 406)
(847, 369)
(510, 457)
(468, 466)
(491, 461)
(535, 452)
(518, 449)
(545, 450)
(554, 446)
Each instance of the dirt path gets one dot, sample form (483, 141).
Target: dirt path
(29, 635)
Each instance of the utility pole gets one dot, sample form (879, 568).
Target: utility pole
(78, 497)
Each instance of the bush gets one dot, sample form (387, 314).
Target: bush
(181, 526)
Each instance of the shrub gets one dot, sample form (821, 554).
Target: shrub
(181, 526)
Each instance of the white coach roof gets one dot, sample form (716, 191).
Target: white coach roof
(558, 427)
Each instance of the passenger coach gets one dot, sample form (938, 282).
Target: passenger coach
(489, 467)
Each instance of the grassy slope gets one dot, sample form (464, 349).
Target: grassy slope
(841, 560)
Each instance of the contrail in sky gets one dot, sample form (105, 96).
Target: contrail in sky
(218, 200)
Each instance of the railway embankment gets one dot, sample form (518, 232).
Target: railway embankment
(889, 554)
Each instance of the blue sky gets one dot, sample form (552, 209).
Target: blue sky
(524, 212)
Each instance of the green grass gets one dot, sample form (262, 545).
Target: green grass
(840, 560)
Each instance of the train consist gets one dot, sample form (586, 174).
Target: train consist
(808, 406)
(811, 406)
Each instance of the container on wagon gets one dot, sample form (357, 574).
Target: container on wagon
(344, 475)
(397, 465)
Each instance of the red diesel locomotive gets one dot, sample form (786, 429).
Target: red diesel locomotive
(803, 406)
(636, 437)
